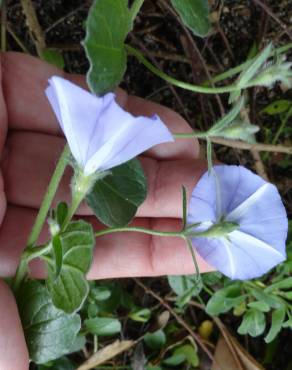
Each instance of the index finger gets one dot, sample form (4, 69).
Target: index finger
(25, 79)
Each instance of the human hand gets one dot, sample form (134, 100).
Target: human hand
(29, 154)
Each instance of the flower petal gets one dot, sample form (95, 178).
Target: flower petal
(202, 205)
(217, 253)
(264, 217)
(255, 205)
(241, 257)
(253, 257)
(236, 184)
(219, 192)
(134, 136)
(101, 135)
(77, 111)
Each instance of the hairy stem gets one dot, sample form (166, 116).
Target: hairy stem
(41, 217)
(238, 144)
(234, 71)
(175, 82)
(139, 230)
(47, 201)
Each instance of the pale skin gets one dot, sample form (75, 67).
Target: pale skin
(31, 142)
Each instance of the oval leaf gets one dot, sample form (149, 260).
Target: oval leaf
(278, 317)
(277, 107)
(107, 25)
(253, 323)
(115, 198)
(58, 254)
(194, 14)
(70, 288)
(102, 326)
(155, 340)
(49, 332)
(225, 299)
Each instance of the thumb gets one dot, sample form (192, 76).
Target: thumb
(13, 350)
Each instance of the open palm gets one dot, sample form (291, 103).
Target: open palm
(31, 142)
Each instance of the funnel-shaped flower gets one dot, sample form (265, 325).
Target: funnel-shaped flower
(233, 194)
(100, 134)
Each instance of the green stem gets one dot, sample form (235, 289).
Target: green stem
(175, 82)
(27, 255)
(200, 135)
(192, 251)
(76, 200)
(234, 71)
(47, 201)
(216, 230)
(40, 219)
(180, 234)
(81, 185)
(282, 126)
(20, 274)
(205, 88)
(139, 230)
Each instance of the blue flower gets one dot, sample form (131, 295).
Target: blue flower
(236, 195)
(100, 134)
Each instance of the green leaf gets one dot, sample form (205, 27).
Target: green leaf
(231, 126)
(102, 326)
(61, 213)
(115, 198)
(184, 285)
(107, 25)
(141, 315)
(240, 130)
(254, 67)
(49, 332)
(250, 71)
(227, 119)
(288, 323)
(239, 309)
(277, 107)
(61, 364)
(58, 254)
(225, 299)
(92, 310)
(253, 323)
(155, 340)
(269, 299)
(69, 290)
(113, 302)
(261, 306)
(209, 155)
(283, 284)
(190, 353)
(212, 278)
(135, 8)
(194, 14)
(175, 360)
(100, 293)
(53, 57)
(78, 343)
(278, 317)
